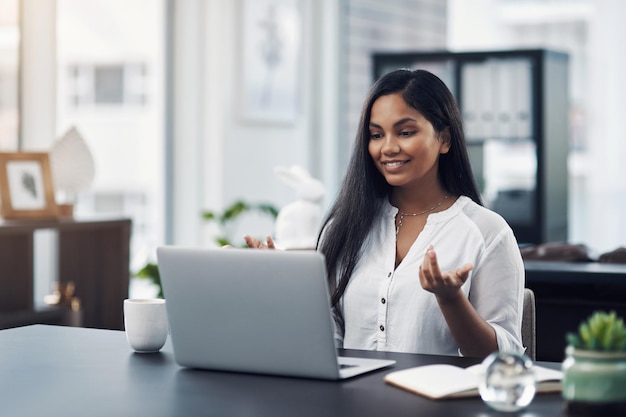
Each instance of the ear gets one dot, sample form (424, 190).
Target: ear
(446, 141)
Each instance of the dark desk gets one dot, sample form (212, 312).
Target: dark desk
(569, 292)
(62, 371)
(575, 273)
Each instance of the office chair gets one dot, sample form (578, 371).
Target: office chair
(529, 319)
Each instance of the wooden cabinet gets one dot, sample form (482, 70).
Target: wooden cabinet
(94, 254)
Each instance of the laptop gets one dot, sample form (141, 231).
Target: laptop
(253, 311)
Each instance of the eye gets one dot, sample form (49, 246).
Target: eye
(407, 133)
(375, 135)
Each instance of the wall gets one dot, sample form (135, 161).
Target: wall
(216, 156)
(372, 26)
(253, 147)
(37, 88)
(606, 89)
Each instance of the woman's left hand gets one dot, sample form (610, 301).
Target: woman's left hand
(258, 244)
(445, 285)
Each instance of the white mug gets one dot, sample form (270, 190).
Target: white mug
(145, 324)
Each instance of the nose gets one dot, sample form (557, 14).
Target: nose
(390, 145)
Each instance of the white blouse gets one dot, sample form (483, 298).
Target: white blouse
(386, 308)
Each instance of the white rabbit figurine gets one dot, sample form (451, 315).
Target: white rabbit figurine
(298, 223)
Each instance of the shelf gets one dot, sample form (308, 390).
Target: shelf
(92, 253)
(514, 105)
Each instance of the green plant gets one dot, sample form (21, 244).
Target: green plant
(601, 332)
(233, 212)
(151, 271)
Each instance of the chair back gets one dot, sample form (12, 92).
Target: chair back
(529, 319)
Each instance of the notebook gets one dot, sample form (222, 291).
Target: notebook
(253, 311)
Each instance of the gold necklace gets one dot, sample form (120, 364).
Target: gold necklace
(403, 215)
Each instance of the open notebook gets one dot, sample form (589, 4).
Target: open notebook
(256, 311)
(448, 381)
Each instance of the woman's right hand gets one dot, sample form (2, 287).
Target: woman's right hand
(258, 244)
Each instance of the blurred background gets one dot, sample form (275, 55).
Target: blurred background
(188, 105)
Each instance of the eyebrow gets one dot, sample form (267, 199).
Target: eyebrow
(396, 124)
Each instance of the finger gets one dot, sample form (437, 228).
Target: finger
(432, 260)
(463, 272)
(426, 270)
(251, 242)
(424, 280)
(270, 242)
(427, 279)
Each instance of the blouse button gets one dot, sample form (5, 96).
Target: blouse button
(389, 275)
(382, 300)
(382, 328)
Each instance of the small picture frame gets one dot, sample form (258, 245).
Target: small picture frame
(271, 32)
(26, 189)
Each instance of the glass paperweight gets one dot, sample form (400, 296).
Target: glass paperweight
(509, 381)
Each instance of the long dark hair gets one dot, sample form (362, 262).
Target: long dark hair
(359, 202)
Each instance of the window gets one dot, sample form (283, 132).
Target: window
(111, 72)
(107, 84)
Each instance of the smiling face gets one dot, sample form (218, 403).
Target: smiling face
(403, 144)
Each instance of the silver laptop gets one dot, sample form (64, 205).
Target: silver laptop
(255, 311)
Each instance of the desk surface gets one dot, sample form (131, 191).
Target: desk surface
(567, 293)
(541, 272)
(62, 371)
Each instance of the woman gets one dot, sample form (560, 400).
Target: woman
(415, 262)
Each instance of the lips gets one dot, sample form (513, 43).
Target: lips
(393, 164)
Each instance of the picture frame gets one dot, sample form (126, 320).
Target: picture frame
(26, 188)
(271, 36)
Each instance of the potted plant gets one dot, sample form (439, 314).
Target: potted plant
(230, 214)
(233, 213)
(594, 370)
(151, 271)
